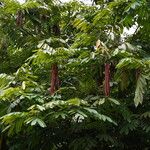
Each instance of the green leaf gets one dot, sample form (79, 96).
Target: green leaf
(114, 101)
(33, 122)
(99, 116)
(140, 86)
(5, 80)
(74, 101)
(23, 85)
(38, 121)
(41, 123)
(146, 115)
(130, 63)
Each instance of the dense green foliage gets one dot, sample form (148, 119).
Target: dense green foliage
(84, 113)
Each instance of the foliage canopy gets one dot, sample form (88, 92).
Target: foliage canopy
(70, 80)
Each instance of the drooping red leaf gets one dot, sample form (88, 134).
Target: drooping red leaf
(54, 79)
(107, 79)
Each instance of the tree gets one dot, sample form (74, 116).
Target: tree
(69, 80)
